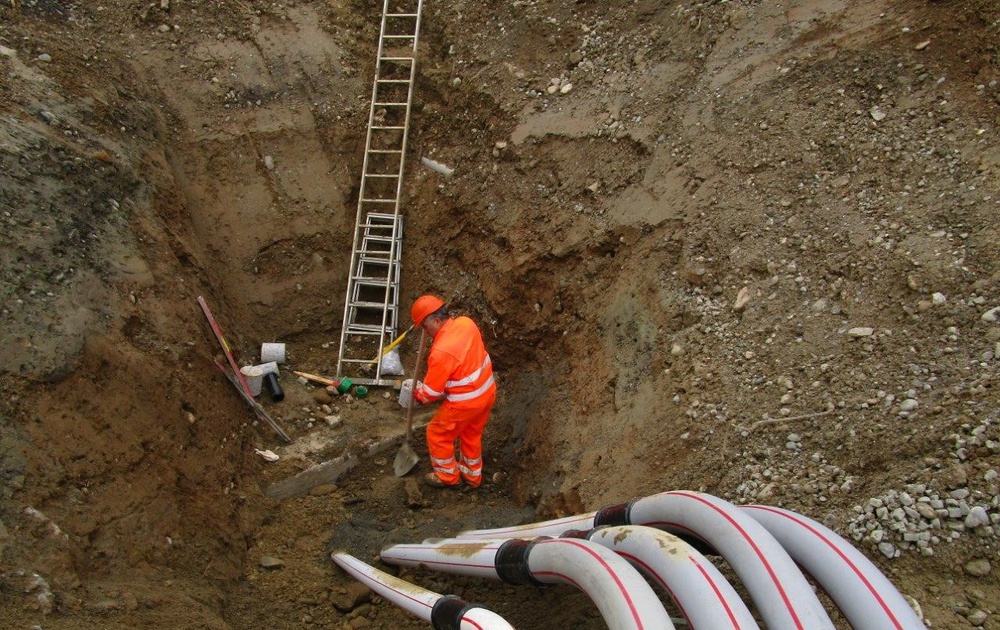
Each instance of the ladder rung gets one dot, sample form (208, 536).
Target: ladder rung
(366, 200)
(388, 127)
(382, 215)
(400, 37)
(391, 104)
(409, 59)
(373, 281)
(364, 304)
(400, 15)
(382, 175)
(394, 81)
(362, 329)
(368, 330)
(390, 151)
(376, 382)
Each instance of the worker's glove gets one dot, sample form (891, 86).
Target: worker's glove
(406, 394)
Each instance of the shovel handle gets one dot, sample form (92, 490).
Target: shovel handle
(416, 368)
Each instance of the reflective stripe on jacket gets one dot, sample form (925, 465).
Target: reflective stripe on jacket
(458, 367)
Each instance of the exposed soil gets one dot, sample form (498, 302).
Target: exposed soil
(744, 248)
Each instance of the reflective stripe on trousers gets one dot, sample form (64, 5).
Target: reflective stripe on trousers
(444, 466)
(466, 426)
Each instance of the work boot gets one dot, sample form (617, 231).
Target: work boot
(434, 481)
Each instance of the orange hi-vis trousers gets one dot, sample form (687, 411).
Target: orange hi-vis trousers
(466, 426)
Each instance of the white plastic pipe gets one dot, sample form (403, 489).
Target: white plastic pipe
(414, 599)
(705, 598)
(626, 601)
(781, 593)
(475, 558)
(556, 527)
(783, 596)
(865, 596)
(436, 166)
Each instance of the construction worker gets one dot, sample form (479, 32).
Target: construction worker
(460, 372)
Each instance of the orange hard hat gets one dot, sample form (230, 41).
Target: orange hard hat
(424, 306)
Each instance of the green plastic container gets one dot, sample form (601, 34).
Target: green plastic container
(345, 385)
(361, 391)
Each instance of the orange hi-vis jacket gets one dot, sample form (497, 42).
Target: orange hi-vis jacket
(458, 367)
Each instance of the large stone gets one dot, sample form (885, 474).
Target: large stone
(977, 617)
(322, 489)
(270, 562)
(954, 476)
(352, 596)
(742, 300)
(980, 567)
(977, 518)
(414, 498)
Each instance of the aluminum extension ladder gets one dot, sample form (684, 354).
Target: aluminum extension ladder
(371, 305)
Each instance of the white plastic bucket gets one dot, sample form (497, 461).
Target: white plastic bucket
(254, 376)
(270, 367)
(406, 393)
(272, 353)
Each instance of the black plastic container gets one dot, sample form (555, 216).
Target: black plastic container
(273, 386)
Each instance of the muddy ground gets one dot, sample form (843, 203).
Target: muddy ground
(744, 248)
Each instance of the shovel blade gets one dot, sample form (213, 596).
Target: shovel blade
(406, 459)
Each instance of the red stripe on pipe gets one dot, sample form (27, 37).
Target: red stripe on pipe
(659, 579)
(520, 529)
(607, 567)
(760, 555)
(442, 563)
(831, 545)
(715, 589)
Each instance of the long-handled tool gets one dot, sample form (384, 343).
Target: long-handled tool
(407, 458)
(322, 380)
(254, 405)
(237, 378)
(392, 345)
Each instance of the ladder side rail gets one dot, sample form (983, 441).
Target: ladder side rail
(361, 197)
(397, 223)
(396, 230)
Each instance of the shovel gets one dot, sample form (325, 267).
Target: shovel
(406, 458)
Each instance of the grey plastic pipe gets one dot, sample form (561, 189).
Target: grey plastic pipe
(624, 598)
(777, 587)
(443, 611)
(865, 596)
(705, 598)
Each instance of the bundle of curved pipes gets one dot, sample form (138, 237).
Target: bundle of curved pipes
(606, 554)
